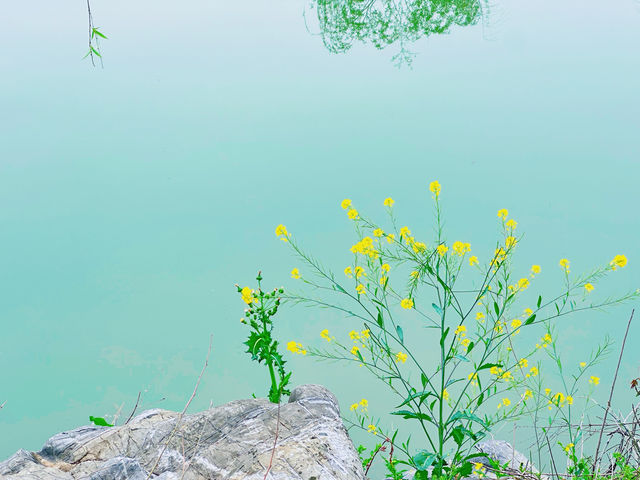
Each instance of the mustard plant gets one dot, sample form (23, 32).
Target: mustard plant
(486, 368)
(261, 308)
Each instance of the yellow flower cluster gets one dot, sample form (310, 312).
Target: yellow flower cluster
(460, 248)
(442, 249)
(360, 290)
(479, 470)
(406, 303)
(365, 247)
(473, 260)
(435, 188)
(533, 372)
(535, 269)
(282, 233)
(546, 340)
(445, 395)
(295, 347)
(295, 274)
(325, 334)
(564, 263)
(559, 399)
(363, 404)
(594, 380)
(473, 377)
(527, 394)
(588, 287)
(505, 403)
(618, 261)
(388, 202)
(401, 357)
(247, 295)
(568, 447)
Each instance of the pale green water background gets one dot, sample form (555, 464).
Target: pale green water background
(132, 198)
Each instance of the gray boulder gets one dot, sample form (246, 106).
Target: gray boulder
(233, 441)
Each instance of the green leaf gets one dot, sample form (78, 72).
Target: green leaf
(444, 336)
(96, 52)
(99, 421)
(97, 32)
(530, 320)
(437, 309)
(488, 365)
(421, 474)
(400, 334)
(339, 288)
(465, 470)
(458, 435)
(496, 308)
(470, 347)
(380, 320)
(462, 357)
(466, 415)
(421, 395)
(407, 414)
(423, 460)
(424, 380)
(539, 301)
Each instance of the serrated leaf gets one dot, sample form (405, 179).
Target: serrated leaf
(423, 460)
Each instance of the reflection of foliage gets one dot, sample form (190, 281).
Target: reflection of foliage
(387, 22)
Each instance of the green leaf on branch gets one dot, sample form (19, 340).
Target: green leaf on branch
(101, 422)
(421, 395)
(530, 320)
(407, 415)
(488, 365)
(423, 460)
(444, 336)
(437, 309)
(497, 309)
(539, 301)
(400, 333)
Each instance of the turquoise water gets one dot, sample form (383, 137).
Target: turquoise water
(134, 197)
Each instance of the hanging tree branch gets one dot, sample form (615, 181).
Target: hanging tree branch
(94, 39)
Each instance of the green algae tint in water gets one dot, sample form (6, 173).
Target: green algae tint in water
(134, 197)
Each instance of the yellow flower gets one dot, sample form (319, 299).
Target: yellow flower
(442, 249)
(479, 470)
(405, 232)
(354, 335)
(460, 330)
(445, 395)
(360, 289)
(502, 213)
(564, 263)
(495, 370)
(460, 248)
(388, 202)
(435, 188)
(535, 269)
(353, 214)
(511, 241)
(473, 260)
(295, 273)
(618, 261)
(523, 363)
(348, 272)
(523, 284)
(480, 316)
(242, 320)
(583, 364)
(354, 350)
(569, 400)
(528, 312)
(465, 342)
(588, 287)
(378, 232)
(527, 394)
(507, 376)
(568, 447)
(401, 357)
(365, 333)
(418, 247)
(594, 380)
(533, 372)
(512, 224)
(296, 347)
(415, 274)
(371, 428)
(473, 377)
(247, 295)
(354, 406)
(346, 203)
(281, 233)
(383, 280)
(406, 303)
(325, 334)
(364, 403)
(385, 267)
(547, 391)
(359, 271)
(506, 402)
(390, 238)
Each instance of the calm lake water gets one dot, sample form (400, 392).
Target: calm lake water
(134, 197)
